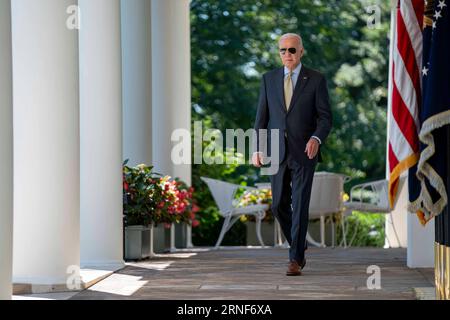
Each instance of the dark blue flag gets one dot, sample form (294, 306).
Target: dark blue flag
(430, 197)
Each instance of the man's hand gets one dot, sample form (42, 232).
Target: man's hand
(312, 147)
(257, 159)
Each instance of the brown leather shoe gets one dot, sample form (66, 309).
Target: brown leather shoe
(293, 269)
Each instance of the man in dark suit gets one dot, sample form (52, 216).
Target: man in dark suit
(293, 99)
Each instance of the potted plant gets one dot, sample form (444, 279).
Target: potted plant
(176, 207)
(188, 216)
(141, 195)
(152, 203)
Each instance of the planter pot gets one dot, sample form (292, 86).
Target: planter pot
(159, 239)
(137, 242)
(180, 235)
(267, 233)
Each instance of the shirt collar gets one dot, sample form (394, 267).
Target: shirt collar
(295, 71)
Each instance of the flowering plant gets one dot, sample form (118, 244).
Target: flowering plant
(257, 196)
(176, 203)
(148, 198)
(141, 195)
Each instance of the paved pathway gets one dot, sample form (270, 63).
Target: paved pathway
(259, 273)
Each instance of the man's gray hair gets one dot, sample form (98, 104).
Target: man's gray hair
(292, 35)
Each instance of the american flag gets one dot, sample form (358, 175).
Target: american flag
(430, 197)
(405, 91)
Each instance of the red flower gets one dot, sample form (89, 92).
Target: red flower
(195, 223)
(181, 208)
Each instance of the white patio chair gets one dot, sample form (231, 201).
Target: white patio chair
(224, 196)
(371, 198)
(326, 200)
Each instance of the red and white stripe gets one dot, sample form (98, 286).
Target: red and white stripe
(405, 91)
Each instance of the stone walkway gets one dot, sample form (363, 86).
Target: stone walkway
(259, 273)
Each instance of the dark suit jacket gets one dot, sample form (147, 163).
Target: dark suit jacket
(309, 113)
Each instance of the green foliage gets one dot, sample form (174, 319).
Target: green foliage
(150, 198)
(365, 229)
(142, 195)
(235, 41)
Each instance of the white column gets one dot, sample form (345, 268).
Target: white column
(420, 239)
(171, 69)
(101, 134)
(46, 143)
(396, 226)
(137, 81)
(404, 230)
(420, 252)
(6, 151)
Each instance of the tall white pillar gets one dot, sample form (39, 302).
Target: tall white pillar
(404, 230)
(420, 252)
(137, 81)
(171, 69)
(46, 143)
(6, 151)
(171, 99)
(396, 226)
(101, 134)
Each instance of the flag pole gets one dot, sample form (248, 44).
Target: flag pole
(447, 231)
(442, 238)
(437, 265)
(439, 252)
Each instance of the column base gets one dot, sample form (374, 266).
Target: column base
(89, 276)
(28, 288)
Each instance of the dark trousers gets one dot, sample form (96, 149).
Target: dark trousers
(291, 194)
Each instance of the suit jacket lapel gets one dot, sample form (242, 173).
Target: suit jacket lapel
(300, 85)
(280, 87)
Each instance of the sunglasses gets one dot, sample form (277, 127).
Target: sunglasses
(291, 50)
